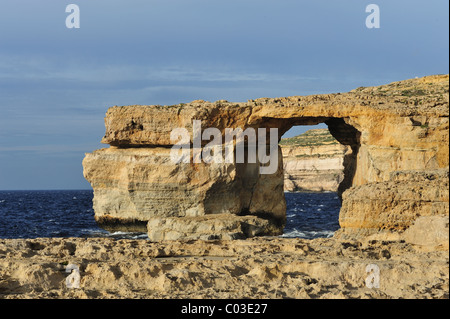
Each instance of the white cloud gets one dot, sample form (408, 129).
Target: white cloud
(50, 148)
(35, 68)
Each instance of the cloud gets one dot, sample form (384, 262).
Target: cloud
(49, 148)
(42, 69)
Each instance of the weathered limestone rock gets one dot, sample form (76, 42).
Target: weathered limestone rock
(222, 226)
(262, 268)
(313, 161)
(393, 206)
(133, 185)
(429, 231)
(402, 126)
(143, 125)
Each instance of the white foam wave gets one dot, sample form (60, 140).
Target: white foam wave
(129, 235)
(117, 235)
(308, 234)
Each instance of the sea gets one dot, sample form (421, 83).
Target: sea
(69, 213)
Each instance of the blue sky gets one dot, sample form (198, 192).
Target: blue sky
(57, 83)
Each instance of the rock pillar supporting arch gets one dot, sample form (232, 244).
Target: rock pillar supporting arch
(347, 135)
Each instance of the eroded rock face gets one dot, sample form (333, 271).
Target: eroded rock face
(222, 226)
(402, 126)
(393, 206)
(134, 185)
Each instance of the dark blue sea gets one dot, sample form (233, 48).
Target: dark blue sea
(311, 215)
(32, 214)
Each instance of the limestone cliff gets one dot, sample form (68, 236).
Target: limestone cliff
(313, 161)
(389, 130)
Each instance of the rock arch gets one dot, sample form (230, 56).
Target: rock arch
(398, 134)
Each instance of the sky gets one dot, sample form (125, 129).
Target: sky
(56, 83)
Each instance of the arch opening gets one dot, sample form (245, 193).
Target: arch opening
(319, 163)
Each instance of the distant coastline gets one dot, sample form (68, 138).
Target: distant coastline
(313, 162)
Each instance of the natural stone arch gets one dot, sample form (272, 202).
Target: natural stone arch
(398, 132)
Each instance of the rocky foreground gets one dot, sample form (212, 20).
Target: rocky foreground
(265, 267)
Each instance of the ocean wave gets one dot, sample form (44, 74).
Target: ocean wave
(115, 235)
(128, 235)
(308, 234)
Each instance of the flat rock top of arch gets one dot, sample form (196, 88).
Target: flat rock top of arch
(150, 125)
